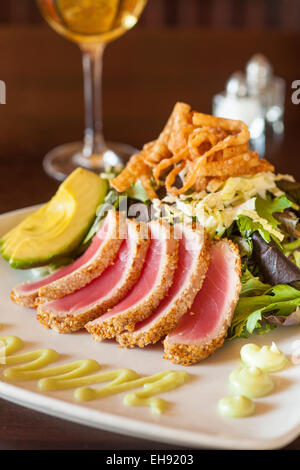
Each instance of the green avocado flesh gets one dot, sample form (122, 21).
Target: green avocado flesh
(59, 226)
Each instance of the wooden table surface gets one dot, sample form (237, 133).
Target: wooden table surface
(145, 73)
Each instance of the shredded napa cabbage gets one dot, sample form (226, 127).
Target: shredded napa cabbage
(217, 208)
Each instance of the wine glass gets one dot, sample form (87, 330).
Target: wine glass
(91, 24)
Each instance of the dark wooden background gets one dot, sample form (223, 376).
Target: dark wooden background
(279, 14)
(145, 73)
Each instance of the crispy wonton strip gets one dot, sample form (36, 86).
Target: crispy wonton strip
(241, 137)
(233, 166)
(172, 138)
(135, 168)
(170, 180)
(208, 148)
(167, 163)
(145, 180)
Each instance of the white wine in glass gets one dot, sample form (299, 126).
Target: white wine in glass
(91, 24)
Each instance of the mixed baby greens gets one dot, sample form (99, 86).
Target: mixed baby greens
(260, 213)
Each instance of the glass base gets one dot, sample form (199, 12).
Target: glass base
(62, 160)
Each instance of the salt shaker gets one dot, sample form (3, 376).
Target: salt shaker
(236, 103)
(269, 89)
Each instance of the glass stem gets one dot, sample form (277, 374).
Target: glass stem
(94, 143)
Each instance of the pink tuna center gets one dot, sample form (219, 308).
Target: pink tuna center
(185, 263)
(100, 288)
(210, 302)
(146, 282)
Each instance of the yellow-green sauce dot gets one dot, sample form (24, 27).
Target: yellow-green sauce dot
(251, 382)
(236, 406)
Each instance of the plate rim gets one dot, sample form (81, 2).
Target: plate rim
(74, 412)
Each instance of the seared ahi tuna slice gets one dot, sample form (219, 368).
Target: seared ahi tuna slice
(152, 286)
(72, 312)
(91, 264)
(193, 260)
(204, 327)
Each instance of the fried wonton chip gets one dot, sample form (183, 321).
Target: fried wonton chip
(135, 168)
(146, 182)
(200, 148)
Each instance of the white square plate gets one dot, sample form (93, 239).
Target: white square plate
(191, 419)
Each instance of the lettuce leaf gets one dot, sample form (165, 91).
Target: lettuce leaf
(289, 223)
(292, 246)
(252, 285)
(296, 260)
(252, 311)
(292, 189)
(267, 207)
(292, 320)
(247, 226)
(274, 266)
(245, 245)
(112, 199)
(137, 192)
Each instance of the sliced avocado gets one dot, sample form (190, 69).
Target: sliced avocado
(59, 226)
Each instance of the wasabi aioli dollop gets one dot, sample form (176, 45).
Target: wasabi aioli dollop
(236, 406)
(251, 382)
(267, 358)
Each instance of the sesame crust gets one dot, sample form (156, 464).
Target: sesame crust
(127, 319)
(168, 321)
(68, 284)
(26, 300)
(188, 354)
(89, 271)
(69, 322)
